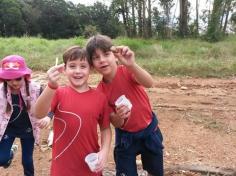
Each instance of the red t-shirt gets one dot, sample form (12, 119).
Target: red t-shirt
(124, 83)
(77, 116)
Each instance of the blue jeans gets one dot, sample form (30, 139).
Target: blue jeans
(147, 142)
(27, 145)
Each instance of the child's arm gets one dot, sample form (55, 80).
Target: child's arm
(43, 103)
(105, 147)
(127, 58)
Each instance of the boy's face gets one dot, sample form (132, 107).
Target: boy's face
(105, 63)
(77, 72)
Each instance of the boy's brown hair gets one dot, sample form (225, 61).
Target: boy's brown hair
(98, 41)
(74, 53)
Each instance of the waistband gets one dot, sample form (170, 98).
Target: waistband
(142, 133)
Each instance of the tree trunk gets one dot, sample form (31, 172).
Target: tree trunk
(227, 15)
(125, 20)
(144, 20)
(183, 25)
(140, 21)
(127, 17)
(197, 21)
(213, 31)
(149, 23)
(222, 16)
(134, 32)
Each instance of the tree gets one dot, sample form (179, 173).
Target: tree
(102, 18)
(167, 5)
(197, 17)
(58, 19)
(213, 31)
(183, 18)
(11, 21)
(159, 23)
(230, 5)
(134, 30)
(121, 7)
(233, 20)
(140, 18)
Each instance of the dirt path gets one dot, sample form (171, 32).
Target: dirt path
(197, 118)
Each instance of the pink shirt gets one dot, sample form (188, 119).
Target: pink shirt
(34, 90)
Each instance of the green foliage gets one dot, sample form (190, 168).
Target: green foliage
(55, 19)
(213, 33)
(90, 31)
(11, 20)
(187, 57)
(233, 20)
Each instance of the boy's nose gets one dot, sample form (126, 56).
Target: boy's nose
(101, 59)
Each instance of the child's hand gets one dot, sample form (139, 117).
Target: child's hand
(54, 74)
(102, 159)
(44, 123)
(124, 54)
(123, 111)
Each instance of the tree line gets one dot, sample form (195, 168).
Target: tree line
(54, 19)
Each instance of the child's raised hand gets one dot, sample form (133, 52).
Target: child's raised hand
(54, 74)
(124, 54)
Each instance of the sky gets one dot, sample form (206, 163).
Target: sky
(90, 2)
(202, 4)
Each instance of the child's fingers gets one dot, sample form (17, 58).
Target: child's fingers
(60, 67)
(120, 51)
(114, 49)
(123, 111)
(56, 69)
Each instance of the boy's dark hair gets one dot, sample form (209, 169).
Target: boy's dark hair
(98, 41)
(74, 53)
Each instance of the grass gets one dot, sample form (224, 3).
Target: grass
(186, 57)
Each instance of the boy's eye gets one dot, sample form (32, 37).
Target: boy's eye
(72, 66)
(107, 53)
(95, 57)
(83, 66)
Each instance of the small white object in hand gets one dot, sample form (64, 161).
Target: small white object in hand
(122, 100)
(92, 160)
(56, 61)
(50, 138)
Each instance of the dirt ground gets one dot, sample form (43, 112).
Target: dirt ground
(198, 121)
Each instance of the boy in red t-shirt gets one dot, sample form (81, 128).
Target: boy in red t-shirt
(137, 130)
(78, 109)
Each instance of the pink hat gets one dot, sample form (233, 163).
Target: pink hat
(13, 67)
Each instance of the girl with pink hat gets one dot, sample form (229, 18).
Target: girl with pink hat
(17, 97)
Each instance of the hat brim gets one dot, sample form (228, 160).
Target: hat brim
(11, 74)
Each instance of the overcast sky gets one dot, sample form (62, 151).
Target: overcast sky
(203, 4)
(90, 2)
